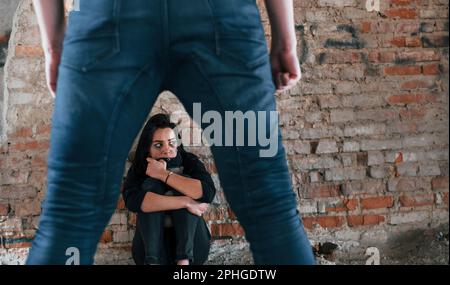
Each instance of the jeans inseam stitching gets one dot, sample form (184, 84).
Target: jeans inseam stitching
(108, 137)
(116, 14)
(215, 92)
(215, 26)
(102, 182)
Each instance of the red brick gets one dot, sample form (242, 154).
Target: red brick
(372, 219)
(406, 42)
(446, 198)
(39, 161)
(365, 27)
(106, 236)
(21, 133)
(346, 205)
(402, 2)
(387, 56)
(377, 202)
(324, 222)
(18, 245)
(407, 28)
(363, 220)
(4, 38)
(412, 114)
(308, 222)
(412, 98)
(383, 28)
(402, 70)
(131, 218)
(374, 56)
(330, 221)
(399, 41)
(231, 214)
(440, 183)
(407, 201)
(323, 191)
(413, 42)
(210, 167)
(430, 69)
(351, 204)
(29, 51)
(4, 209)
(32, 145)
(384, 56)
(227, 230)
(402, 13)
(415, 84)
(416, 201)
(120, 204)
(215, 214)
(355, 220)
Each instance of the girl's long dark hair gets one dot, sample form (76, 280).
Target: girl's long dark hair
(158, 121)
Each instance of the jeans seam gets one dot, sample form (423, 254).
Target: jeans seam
(237, 151)
(116, 14)
(108, 136)
(211, 10)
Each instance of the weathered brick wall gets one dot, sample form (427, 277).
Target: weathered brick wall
(7, 8)
(366, 130)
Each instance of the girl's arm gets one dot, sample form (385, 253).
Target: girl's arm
(188, 186)
(154, 203)
(139, 201)
(199, 186)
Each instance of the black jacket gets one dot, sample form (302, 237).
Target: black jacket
(133, 195)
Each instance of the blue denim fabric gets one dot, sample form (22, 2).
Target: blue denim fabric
(118, 56)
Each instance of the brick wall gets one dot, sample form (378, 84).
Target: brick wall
(7, 9)
(366, 130)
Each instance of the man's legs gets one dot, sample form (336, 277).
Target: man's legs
(229, 71)
(109, 78)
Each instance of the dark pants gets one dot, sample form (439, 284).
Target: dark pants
(201, 246)
(118, 56)
(150, 227)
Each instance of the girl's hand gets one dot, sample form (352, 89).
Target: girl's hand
(156, 169)
(196, 208)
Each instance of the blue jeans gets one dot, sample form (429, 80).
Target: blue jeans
(118, 56)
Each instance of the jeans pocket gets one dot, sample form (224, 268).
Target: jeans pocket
(87, 53)
(92, 35)
(244, 52)
(239, 32)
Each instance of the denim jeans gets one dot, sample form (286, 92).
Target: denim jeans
(118, 55)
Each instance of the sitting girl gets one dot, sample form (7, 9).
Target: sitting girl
(169, 189)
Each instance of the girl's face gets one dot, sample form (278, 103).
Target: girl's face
(164, 144)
